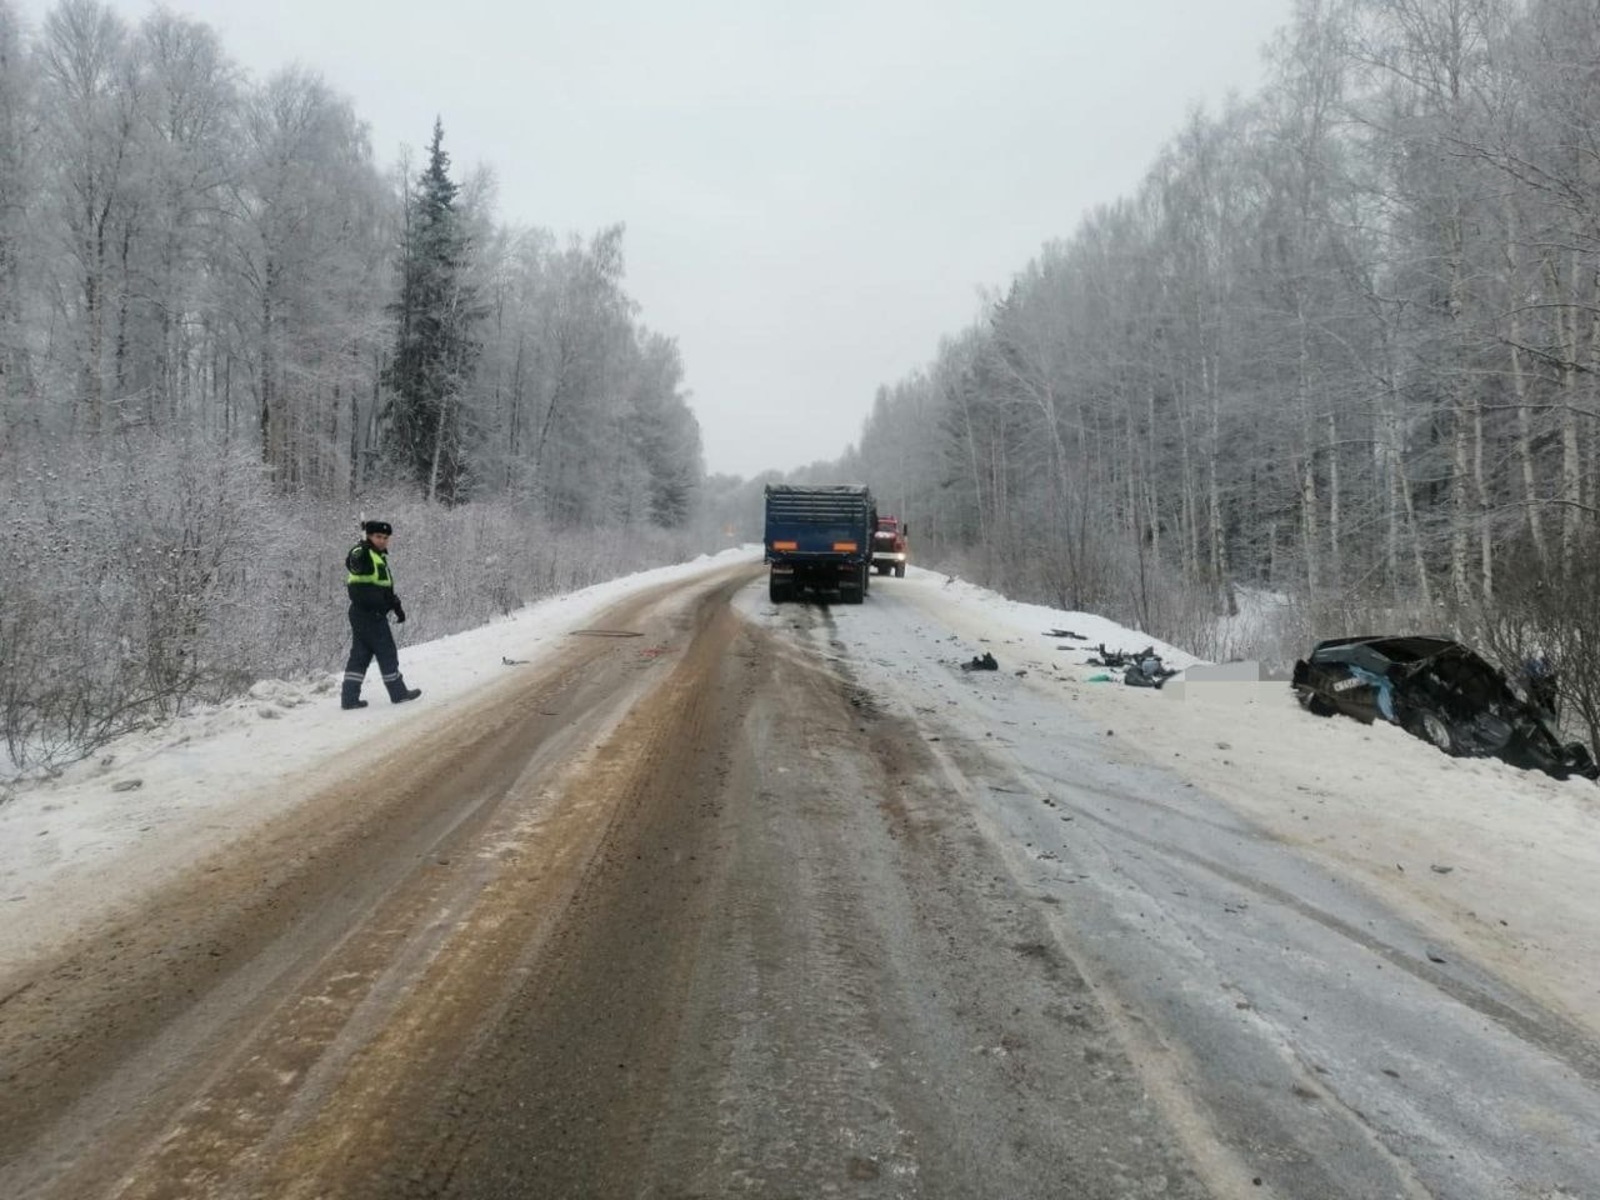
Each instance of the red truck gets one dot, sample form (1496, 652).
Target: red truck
(890, 550)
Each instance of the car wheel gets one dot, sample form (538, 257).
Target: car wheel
(1429, 725)
(1318, 706)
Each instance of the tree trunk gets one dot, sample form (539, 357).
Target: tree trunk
(1460, 414)
(1308, 468)
(269, 422)
(1221, 568)
(1519, 385)
(1571, 476)
(1335, 556)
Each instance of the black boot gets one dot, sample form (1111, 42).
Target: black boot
(352, 704)
(399, 693)
(350, 693)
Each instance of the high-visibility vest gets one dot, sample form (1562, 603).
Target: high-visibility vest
(378, 572)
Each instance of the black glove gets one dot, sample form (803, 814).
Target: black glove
(399, 614)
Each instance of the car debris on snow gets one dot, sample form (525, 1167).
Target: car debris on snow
(1439, 690)
(1149, 671)
(1114, 658)
(1142, 668)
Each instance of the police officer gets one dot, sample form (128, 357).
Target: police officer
(372, 599)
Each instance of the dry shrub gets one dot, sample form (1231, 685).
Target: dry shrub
(1541, 614)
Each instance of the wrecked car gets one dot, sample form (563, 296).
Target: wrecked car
(1442, 692)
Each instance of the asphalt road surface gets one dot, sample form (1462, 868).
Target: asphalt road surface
(704, 906)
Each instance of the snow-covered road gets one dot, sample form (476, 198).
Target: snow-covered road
(1335, 962)
(1299, 916)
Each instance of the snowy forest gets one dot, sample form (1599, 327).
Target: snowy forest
(226, 331)
(1338, 349)
(1341, 347)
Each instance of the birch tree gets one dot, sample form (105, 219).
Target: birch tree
(186, 128)
(87, 108)
(305, 281)
(17, 194)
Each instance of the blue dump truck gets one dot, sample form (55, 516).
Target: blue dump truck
(819, 538)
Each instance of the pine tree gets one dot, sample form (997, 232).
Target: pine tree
(435, 347)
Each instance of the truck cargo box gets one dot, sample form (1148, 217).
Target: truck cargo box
(819, 538)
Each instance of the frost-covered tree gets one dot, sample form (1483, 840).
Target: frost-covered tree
(662, 435)
(186, 140)
(88, 117)
(300, 313)
(436, 345)
(16, 196)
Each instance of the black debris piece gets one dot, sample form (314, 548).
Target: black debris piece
(1148, 671)
(1142, 668)
(983, 662)
(1118, 658)
(1066, 633)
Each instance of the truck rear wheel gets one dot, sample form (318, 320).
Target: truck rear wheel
(780, 591)
(899, 570)
(852, 590)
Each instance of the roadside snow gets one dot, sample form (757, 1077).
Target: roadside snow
(152, 802)
(1496, 862)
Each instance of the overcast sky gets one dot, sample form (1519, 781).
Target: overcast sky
(815, 191)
